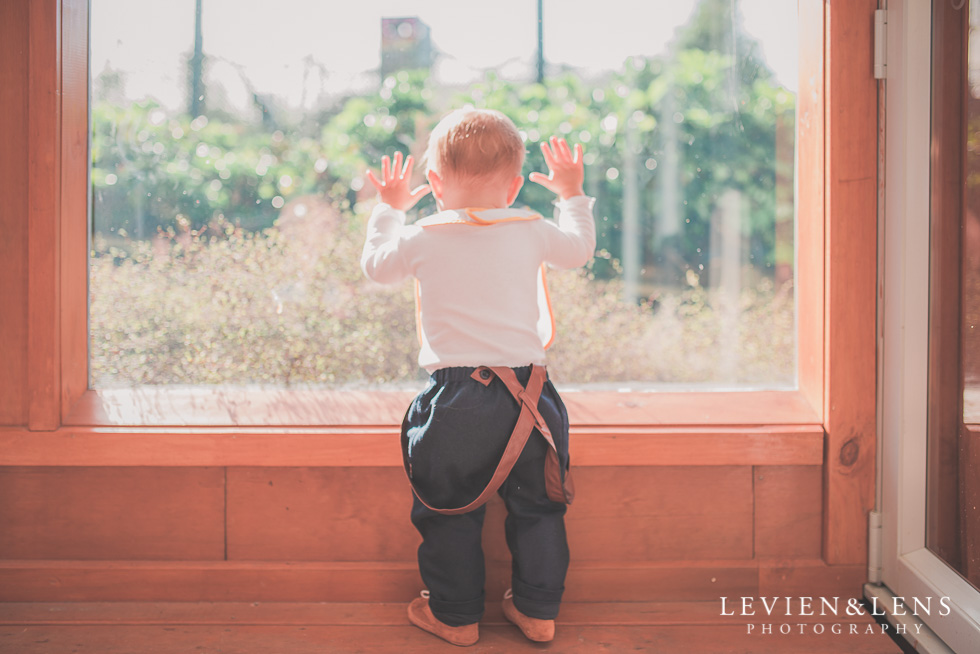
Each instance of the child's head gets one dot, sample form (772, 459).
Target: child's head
(475, 146)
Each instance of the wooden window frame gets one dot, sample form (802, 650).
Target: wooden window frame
(829, 420)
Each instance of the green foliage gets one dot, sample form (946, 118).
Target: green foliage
(152, 171)
(167, 169)
(366, 128)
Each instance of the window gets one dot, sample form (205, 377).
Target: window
(228, 197)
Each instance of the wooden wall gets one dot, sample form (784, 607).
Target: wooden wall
(679, 496)
(636, 533)
(13, 211)
(851, 187)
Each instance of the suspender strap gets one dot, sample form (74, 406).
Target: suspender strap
(528, 399)
(527, 420)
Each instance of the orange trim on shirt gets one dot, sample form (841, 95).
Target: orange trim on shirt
(547, 301)
(418, 311)
(480, 221)
(469, 217)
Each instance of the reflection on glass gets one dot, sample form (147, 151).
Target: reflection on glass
(229, 199)
(953, 478)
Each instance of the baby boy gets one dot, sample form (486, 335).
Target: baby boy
(489, 420)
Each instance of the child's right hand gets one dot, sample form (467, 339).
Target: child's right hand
(567, 170)
(393, 187)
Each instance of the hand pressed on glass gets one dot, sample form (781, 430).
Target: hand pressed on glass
(567, 170)
(393, 187)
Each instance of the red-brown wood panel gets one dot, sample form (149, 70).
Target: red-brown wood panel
(112, 513)
(217, 581)
(350, 628)
(71, 581)
(657, 514)
(13, 209)
(700, 613)
(362, 514)
(795, 579)
(644, 581)
(378, 447)
(320, 514)
(851, 271)
(788, 511)
(73, 295)
(577, 638)
(43, 215)
(671, 581)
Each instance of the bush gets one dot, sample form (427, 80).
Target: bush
(289, 305)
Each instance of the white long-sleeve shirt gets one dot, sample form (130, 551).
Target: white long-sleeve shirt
(478, 276)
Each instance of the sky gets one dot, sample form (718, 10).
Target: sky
(297, 49)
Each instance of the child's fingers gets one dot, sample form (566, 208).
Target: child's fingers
(374, 180)
(407, 170)
(549, 158)
(396, 168)
(556, 147)
(578, 153)
(560, 147)
(566, 152)
(385, 168)
(543, 180)
(562, 153)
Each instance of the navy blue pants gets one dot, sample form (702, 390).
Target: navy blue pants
(453, 436)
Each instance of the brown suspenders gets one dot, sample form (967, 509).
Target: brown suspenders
(529, 418)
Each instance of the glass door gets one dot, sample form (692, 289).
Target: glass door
(930, 374)
(952, 497)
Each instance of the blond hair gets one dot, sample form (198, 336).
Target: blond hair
(472, 143)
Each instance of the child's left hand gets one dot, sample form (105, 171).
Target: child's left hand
(393, 186)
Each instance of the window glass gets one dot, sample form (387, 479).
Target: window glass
(953, 458)
(229, 143)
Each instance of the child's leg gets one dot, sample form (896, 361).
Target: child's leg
(453, 437)
(535, 526)
(451, 563)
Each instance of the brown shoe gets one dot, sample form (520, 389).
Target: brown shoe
(540, 631)
(421, 616)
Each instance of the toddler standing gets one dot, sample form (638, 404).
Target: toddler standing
(489, 420)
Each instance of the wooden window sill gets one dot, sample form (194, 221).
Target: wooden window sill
(226, 406)
(379, 447)
(249, 427)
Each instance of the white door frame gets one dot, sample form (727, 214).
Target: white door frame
(909, 569)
